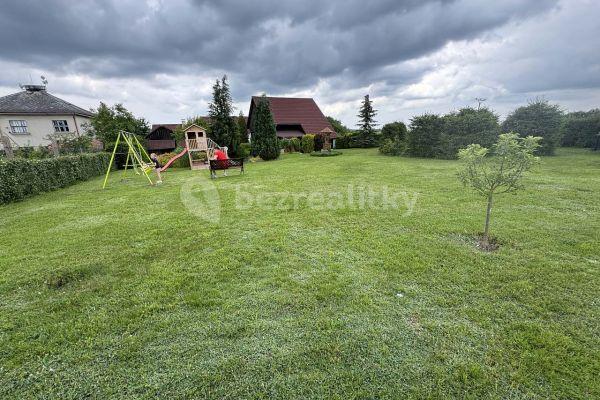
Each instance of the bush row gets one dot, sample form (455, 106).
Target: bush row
(21, 178)
(290, 145)
(352, 140)
(435, 136)
(307, 144)
(581, 129)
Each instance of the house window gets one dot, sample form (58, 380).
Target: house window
(60, 125)
(18, 126)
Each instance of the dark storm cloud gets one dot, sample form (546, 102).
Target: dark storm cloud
(275, 45)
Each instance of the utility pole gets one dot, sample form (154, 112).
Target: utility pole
(480, 101)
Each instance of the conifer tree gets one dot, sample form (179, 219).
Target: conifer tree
(223, 129)
(366, 126)
(264, 135)
(241, 126)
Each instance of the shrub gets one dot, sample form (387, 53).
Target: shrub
(286, 145)
(395, 131)
(468, 126)
(392, 147)
(581, 128)
(244, 150)
(365, 140)
(308, 143)
(295, 144)
(20, 178)
(331, 153)
(181, 162)
(344, 141)
(393, 139)
(32, 153)
(424, 137)
(69, 143)
(538, 118)
(319, 142)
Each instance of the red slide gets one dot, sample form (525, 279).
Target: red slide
(172, 160)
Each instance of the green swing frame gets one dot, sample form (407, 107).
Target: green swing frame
(136, 154)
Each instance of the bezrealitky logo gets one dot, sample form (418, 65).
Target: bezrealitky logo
(201, 198)
(351, 197)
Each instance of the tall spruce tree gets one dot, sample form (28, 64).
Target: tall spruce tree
(264, 135)
(223, 129)
(366, 126)
(241, 126)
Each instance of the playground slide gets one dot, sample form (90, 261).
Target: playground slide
(172, 160)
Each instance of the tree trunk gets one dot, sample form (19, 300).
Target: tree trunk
(487, 220)
(8, 150)
(55, 148)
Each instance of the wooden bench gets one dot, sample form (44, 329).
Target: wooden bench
(216, 165)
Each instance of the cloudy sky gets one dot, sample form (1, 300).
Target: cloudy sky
(160, 57)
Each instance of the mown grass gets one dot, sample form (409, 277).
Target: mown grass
(123, 293)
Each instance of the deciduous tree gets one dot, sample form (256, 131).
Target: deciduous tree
(497, 171)
(108, 121)
(538, 118)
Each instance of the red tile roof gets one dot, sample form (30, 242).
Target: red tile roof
(296, 111)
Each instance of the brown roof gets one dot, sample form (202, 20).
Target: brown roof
(170, 127)
(296, 111)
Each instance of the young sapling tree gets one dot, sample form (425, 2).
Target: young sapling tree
(497, 171)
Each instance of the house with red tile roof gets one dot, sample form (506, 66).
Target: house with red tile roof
(293, 116)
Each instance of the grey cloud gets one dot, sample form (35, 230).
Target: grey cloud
(287, 46)
(279, 44)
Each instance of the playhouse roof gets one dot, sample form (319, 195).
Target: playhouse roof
(194, 125)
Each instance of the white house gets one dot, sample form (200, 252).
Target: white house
(29, 116)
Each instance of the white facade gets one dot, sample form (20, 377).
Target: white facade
(38, 127)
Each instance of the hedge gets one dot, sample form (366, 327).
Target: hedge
(21, 178)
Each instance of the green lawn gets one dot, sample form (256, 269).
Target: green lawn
(124, 293)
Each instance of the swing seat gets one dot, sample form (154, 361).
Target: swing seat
(147, 167)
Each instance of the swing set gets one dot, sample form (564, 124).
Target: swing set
(137, 157)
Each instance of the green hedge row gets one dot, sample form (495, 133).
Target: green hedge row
(20, 178)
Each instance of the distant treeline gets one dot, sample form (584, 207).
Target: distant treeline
(441, 136)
